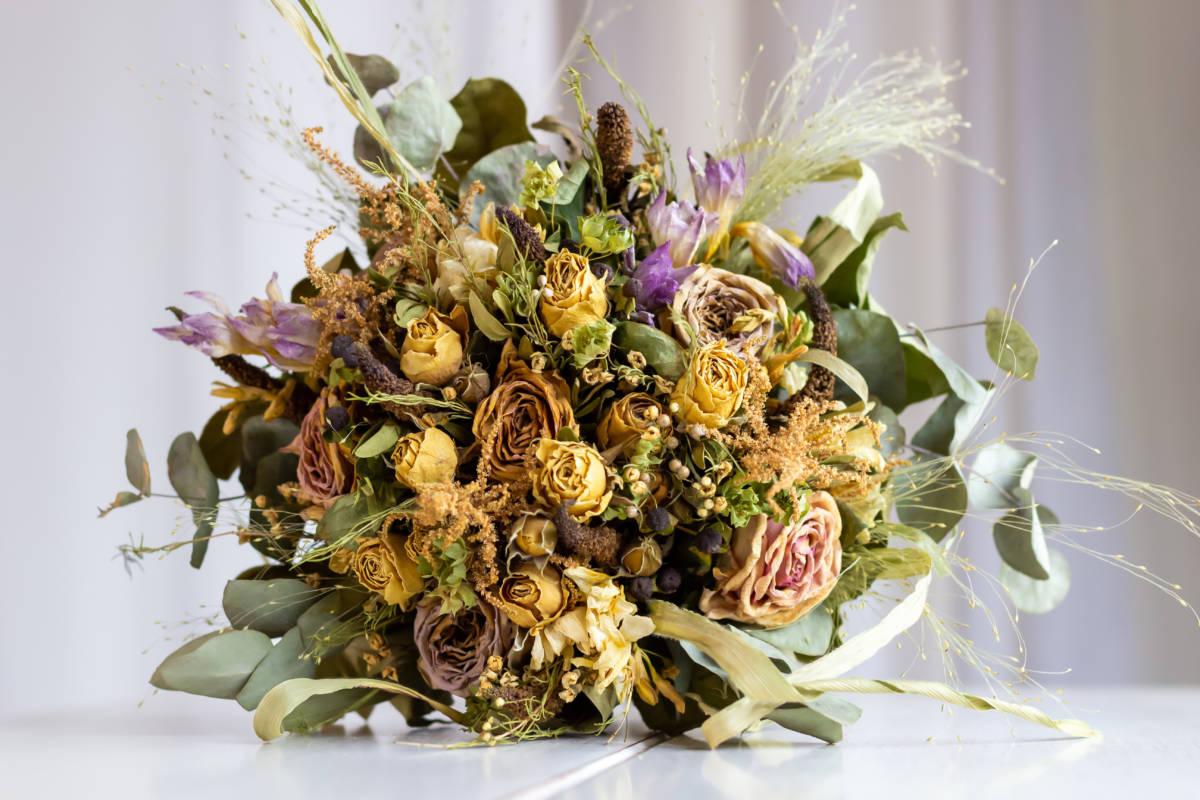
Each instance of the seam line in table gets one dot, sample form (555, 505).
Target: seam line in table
(555, 785)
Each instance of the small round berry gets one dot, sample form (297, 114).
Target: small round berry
(669, 580)
(642, 588)
(337, 417)
(709, 540)
(658, 520)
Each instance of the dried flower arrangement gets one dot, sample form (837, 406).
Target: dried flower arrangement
(571, 441)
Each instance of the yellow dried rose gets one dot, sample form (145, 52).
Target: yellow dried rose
(629, 419)
(711, 389)
(532, 597)
(382, 565)
(428, 456)
(526, 406)
(433, 349)
(573, 296)
(571, 471)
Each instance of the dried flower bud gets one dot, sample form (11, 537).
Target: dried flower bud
(642, 558)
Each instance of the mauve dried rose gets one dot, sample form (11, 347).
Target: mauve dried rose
(324, 473)
(453, 649)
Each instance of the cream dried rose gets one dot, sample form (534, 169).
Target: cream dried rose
(719, 305)
(574, 472)
(774, 573)
(710, 392)
(428, 456)
(469, 255)
(432, 351)
(573, 296)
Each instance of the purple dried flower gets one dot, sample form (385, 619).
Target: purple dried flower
(719, 189)
(656, 280)
(681, 225)
(284, 333)
(775, 254)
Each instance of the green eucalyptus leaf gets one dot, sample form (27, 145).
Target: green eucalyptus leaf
(1038, 596)
(382, 441)
(870, 343)
(810, 635)
(959, 381)
(1020, 540)
(930, 497)
(923, 379)
(501, 171)
(284, 662)
(194, 482)
(1010, 346)
(422, 125)
(375, 71)
(950, 425)
(268, 606)
(273, 470)
(214, 665)
(996, 473)
(569, 184)
(262, 438)
(137, 468)
(663, 354)
(339, 519)
(493, 116)
(485, 321)
(222, 451)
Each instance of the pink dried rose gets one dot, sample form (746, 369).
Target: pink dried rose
(775, 573)
(325, 472)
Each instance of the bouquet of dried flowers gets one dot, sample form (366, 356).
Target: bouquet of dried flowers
(580, 436)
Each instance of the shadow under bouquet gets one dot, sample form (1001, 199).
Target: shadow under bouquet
(567, 433)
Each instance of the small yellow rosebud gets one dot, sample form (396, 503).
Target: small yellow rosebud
(432, 351)
(425, 457)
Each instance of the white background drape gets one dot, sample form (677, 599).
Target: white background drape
(126, 130)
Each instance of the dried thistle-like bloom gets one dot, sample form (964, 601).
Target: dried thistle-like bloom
(525, 236)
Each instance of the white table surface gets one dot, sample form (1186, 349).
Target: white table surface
(178, 747)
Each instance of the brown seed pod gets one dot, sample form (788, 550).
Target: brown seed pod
(614, 143)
